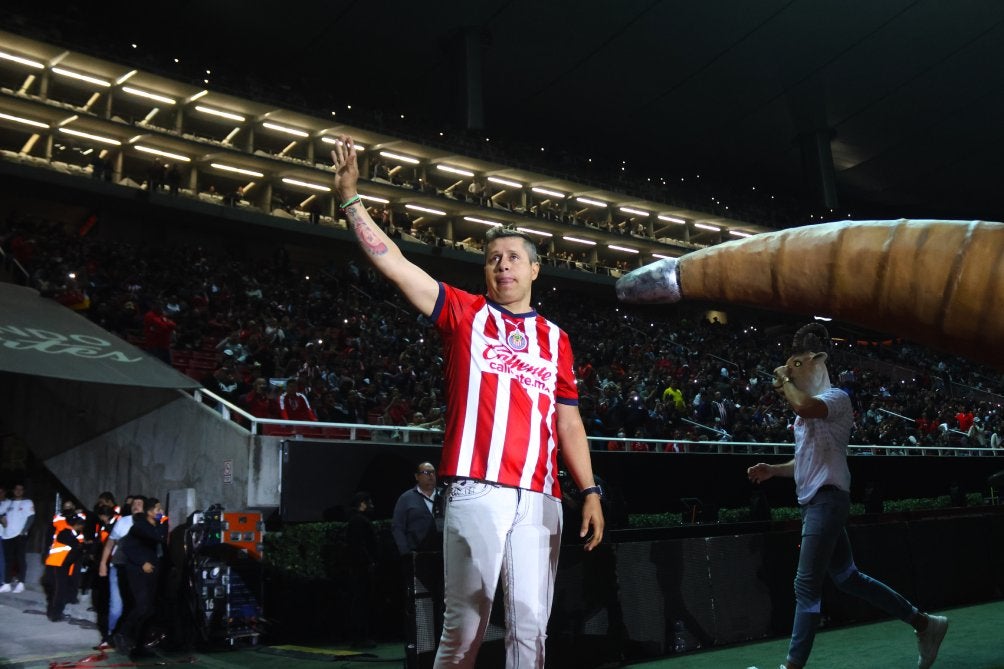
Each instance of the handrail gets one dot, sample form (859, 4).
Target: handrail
(16, 263)
(600, 443)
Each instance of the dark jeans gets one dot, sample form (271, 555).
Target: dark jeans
(826, 550)
(143, 587)
(14, 553)
(63, 591)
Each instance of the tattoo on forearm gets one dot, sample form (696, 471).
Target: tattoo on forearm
(364, 233)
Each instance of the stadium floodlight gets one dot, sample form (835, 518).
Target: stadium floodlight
(306, 184)
(739, 233)
(25, 121)
(399, 157)
(660, 256)
(545, 191)
(455, 170)
(374, 198)
(621, 248)
(705, 226)
(427, 210)
(219, 112)
(672, 219)
(531, 231)
(586, 200)
(237, 170)
(81, 77)
(87, 135)
(332, 140)
(505, 182)
(577, 240)
(148, 95)
(24, 61)
(165, 154)
(482, 221)
(285, 129)
(636, 212)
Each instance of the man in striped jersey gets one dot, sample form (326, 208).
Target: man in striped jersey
(512, 403)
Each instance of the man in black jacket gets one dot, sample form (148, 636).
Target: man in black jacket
(143, 547)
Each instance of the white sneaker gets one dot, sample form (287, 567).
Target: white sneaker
(929, 641)
(20, 588)
(5, 587)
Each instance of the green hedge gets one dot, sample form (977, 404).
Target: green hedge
(315, 550)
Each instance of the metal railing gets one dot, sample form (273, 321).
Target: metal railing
(299, 429)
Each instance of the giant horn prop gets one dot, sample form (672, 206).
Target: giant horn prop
(939, 283)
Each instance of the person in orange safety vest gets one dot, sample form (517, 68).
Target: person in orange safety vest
(60, 563)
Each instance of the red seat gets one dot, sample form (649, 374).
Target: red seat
(271, 430)
(336, 432)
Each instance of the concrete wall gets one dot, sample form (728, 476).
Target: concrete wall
(184, 444)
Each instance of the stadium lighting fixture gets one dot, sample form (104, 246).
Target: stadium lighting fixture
(531, 231)
(166, 154)
(148, 95)
(374, 198)
(636, 212)
(578, 240)
(398, 156)
(87, 135)
(739, 233)
(427, 210)
(24, 61)
(82, 77)
(482, 221)
(660, 256)
(586, 200)
(332, 140)
(545, 191)
(126, 77)
(621, 248)
(705, 226)
(25, 121)
(505, 182)
(237, 170)
(672, 219)
(201, 94)
(220, 113)
(455, 170)
(306, 184)
(285, 129)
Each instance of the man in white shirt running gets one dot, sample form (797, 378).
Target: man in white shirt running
(823, 483)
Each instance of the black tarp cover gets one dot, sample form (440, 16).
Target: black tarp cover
(40, 337)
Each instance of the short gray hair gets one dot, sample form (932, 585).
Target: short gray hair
(500, 232)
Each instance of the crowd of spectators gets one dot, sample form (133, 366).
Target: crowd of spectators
(356, 354)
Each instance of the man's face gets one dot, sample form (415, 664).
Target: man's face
(137, 506)
(18, 491)
(425, 476)
(509, 273)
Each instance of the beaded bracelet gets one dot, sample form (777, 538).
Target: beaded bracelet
(351, 201)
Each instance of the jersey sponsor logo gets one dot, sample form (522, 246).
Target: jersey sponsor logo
(530, 371)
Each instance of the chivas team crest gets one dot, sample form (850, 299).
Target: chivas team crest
(516, 340)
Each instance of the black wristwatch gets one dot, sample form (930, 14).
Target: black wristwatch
(591, 490)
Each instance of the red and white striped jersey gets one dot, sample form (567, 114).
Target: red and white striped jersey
(504, 374)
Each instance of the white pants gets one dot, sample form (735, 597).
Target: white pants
(492, 530)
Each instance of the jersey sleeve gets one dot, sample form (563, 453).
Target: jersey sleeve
(567, 390)
(450, 305)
